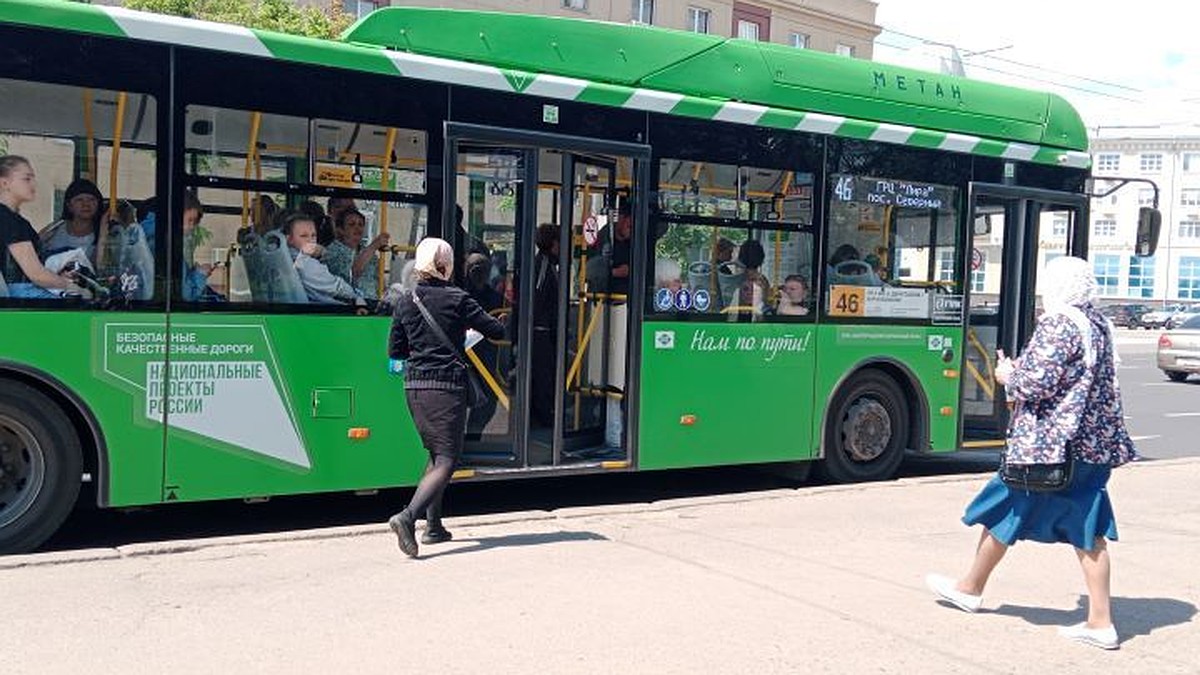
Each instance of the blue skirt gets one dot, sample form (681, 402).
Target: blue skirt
(1076, 516)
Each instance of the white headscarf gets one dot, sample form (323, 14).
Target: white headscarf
(435, 259)
(1067, 283)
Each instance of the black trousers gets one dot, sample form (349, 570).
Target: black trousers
(441, 418)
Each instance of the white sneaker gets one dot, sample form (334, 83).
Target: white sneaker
(1104, 638)
(944, 588)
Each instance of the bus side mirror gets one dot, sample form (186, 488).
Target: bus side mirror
(1148, 227)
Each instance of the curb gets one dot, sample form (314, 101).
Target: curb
(566, 513)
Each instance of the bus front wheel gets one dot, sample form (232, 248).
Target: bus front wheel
(866, 430)
(40, 467)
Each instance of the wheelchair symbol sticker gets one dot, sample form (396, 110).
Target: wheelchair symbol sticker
(663, 300)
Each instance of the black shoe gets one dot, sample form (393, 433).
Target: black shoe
(436, 535)
(406, 532)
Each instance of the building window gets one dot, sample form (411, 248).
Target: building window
(1145, 196)
(1141, 277)
(1189, 278)
(747, 30)
(1058, 227)
(1150, 163)
(1189, 197)
(1191, 162)
(580, 5)
(698, 19)
(643, 11)
(799, 40)
(1189, 229)
(1108, 162)
(946, 265)
(1105, 227)
(1107, 268)
(978, 277)
(843, 50)
(360, 8)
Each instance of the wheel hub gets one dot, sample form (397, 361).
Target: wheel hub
(866, 430)
(22, 469)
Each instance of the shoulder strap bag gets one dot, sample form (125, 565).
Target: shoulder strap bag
(476, 394)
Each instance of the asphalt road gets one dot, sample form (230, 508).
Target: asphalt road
(1163, 417)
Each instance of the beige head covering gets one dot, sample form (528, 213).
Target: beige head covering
(435, 259)
(1067, 283)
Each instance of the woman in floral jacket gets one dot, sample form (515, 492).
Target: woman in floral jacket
(1066, 401)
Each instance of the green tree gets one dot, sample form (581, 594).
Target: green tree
(276, 15)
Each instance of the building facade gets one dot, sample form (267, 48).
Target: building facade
(838, 26)
(1169, 156)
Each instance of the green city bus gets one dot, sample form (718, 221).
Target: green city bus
(766, 255)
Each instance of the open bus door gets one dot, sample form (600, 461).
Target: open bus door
(559, 382)
(1015, 231)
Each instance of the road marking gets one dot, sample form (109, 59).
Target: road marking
(1144, 438)
(1186, 414)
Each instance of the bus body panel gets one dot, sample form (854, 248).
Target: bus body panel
(843, 347)
(716, 393)
(270, 405)
(68, 347)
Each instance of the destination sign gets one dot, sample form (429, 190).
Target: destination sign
(889, 192)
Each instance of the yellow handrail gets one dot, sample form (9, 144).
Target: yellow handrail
(114, 166)
(251, 151)
(384, 184)
(490, 381)
(90, 130)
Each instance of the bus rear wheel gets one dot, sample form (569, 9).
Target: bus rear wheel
(40, 467)
(866, 431)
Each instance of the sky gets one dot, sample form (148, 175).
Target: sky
(1120, 64)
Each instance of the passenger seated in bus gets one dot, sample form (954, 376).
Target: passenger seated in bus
(349, 258)
(195, 286)
(335, 205)
(793, 296)
(846, 267)
(754, 289)
(20, 247)
(325, 235)
(321, 285)
(80, 221)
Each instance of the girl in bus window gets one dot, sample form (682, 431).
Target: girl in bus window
(79, 223)
(20, 255)
(793, 297)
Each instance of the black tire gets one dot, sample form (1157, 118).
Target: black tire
(1176, 375)
(40, 467)
(866, 430)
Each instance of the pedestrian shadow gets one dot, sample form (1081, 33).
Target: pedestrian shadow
(1133, 616)
(510, 540)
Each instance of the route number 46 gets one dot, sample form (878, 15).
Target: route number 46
(846, 301)
(844, 190)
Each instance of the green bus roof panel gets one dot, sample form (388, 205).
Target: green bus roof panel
(592, 50)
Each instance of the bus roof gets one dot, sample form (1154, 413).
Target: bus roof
(642, 67)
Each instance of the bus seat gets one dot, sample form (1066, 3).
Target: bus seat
(129, 252)
(270, 270)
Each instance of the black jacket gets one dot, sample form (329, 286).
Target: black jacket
(430, 363)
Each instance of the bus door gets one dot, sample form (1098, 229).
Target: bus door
(542, 245)
(1015, 232)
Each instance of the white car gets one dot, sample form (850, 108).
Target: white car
(1159, 317)
(1179, 350)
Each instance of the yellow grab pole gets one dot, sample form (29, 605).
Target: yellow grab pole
(90, 130)
(114, 167)
(487, 378)
(384, 184)
(587, 336)
(251, 151)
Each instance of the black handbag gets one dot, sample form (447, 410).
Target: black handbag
(1036, 477)
(477, 395)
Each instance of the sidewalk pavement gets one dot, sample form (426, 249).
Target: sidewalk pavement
(817, 579)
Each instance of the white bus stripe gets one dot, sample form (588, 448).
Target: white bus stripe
(189, 32)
